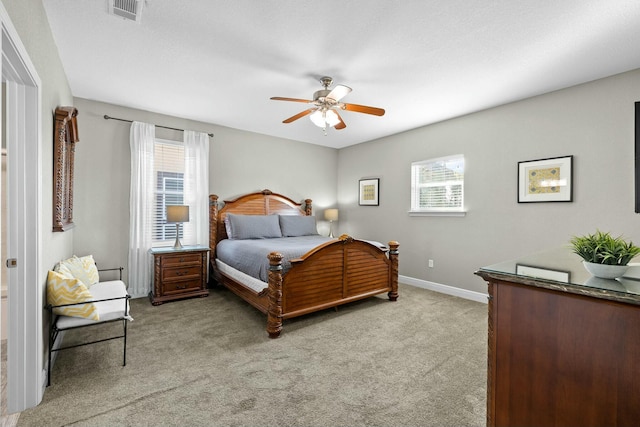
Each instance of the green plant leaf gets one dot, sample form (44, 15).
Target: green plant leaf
(602, 248)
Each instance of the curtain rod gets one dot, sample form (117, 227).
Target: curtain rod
(131, 121)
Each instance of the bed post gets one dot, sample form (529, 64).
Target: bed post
(393, 257)
(213, 221)
(274, 311)
(307, 207)
(213, 234)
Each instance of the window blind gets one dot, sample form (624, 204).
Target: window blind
(437, 185)
(169, 189)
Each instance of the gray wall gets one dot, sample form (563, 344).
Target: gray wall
(593, 122)
(240, 162)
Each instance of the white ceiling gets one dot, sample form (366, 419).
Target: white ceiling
(424, 61)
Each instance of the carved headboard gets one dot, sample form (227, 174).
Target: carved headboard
(264, 202)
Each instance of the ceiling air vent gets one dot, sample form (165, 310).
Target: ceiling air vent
(127, 9)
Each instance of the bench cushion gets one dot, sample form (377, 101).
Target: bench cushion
(107, 310)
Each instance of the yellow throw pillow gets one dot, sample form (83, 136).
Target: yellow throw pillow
(83, 269)
(62, 289)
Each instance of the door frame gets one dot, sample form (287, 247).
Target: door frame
(26, 378)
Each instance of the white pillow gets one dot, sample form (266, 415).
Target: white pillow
(83, 269)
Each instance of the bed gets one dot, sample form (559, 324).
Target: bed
(335, 272)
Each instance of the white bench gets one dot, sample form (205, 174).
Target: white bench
(112, 303)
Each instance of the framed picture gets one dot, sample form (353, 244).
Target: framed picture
(637, 155)
(369, 192)
(64, 141)
(543, 273)
(546, 180)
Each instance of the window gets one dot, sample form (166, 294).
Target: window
(169, 188)
(437, 185)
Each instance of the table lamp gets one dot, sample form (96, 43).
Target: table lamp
(177, 214)
(331, 215)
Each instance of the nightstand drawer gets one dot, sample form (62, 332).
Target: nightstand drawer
(177, 260)
(180, 286)
(190, 272)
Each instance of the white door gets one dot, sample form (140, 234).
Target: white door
(25, 378)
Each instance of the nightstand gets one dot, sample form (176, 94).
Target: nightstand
(178, 273)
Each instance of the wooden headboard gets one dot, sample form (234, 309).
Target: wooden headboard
(264, 202)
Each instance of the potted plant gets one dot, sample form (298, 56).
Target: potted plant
(604, 256)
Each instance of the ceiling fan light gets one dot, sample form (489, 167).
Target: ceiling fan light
(331, 118)
(317, 117)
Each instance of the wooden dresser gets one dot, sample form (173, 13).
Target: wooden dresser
(564, 347)
(179, 273)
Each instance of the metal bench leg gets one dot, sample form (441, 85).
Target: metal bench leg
(124, 357)
(50, 345)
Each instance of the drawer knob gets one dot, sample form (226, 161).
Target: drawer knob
(181, 259)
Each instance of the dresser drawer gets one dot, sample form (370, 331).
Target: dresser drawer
(177, 260)
(182, 286)
(180, 273)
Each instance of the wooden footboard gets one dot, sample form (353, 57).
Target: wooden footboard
(332, 274)
(335, 273)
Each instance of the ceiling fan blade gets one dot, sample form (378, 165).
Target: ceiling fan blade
(338, 92)
(297, 116)
(363, 109)
(280, 98)
(340, 125)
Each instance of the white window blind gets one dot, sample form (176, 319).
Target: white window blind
(437, 185)
(169, 189)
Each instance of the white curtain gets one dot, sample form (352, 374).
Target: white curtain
(141, 202)
(196, 187)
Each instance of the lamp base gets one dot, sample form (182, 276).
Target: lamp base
(331, 229)
(177, 244)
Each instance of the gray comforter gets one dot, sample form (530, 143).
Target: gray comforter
(250, 256)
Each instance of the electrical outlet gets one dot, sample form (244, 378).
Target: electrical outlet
(430, 263)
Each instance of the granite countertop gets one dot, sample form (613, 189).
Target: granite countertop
(561, 270)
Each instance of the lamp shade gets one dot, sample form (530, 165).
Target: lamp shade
(331, 117)
(177, 213)
(331, 214)
(318, 118)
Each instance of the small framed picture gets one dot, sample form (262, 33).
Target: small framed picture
(369, 192)
(543, 273)
(546, 180)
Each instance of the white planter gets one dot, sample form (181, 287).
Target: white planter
(605, 271)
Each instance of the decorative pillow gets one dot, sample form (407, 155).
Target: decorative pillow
(83, 269)
(296, 225)
(62, 289)
(227, 226)
(254, 226)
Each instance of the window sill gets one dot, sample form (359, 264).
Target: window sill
(439, 213)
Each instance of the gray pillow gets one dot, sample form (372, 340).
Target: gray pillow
(296, 225)
(254, 226)
(227, 226)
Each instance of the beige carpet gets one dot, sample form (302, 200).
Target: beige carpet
(420, 361)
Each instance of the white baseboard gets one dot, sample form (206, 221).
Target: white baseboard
(444, 289)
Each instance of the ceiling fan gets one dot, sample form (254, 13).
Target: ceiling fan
(326, 104)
